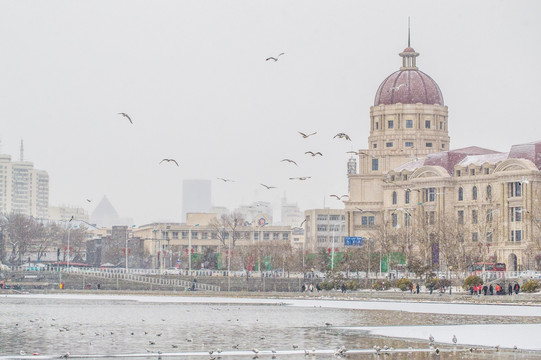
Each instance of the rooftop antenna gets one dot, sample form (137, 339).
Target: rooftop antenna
(408, 31)
(22, 151)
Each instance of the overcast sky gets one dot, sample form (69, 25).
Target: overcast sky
(193, 77)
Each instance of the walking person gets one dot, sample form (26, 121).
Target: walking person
(517, 288)
(417, 287)
(510, 289)
(491, 289)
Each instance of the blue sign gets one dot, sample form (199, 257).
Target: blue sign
(353, 241)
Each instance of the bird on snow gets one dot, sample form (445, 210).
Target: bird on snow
(342, 136)
(275, 59)
(431, 339)
(306, 135)
(454, 339)
(126, 116)
(290, 161)
(313, 153)
(170, 160)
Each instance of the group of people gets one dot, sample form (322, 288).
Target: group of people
(310, 288)
(489, 290)
(417, 288)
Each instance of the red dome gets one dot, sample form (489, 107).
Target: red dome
(409, 86)
(409, 49)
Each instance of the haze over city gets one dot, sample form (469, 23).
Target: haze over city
(193, 78)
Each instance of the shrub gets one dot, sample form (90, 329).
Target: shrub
(530, 286)
(403, 284)
(353, 285)
(326, 285)
(471, 281)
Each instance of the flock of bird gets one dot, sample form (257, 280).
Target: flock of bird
(340, 135)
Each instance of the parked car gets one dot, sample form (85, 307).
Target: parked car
(172, 271)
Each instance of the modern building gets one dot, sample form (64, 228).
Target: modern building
(413, 195)
(23, 189)
(255, 211)
(196, 196)
(65, 213)
(291, 215)
(324, 228)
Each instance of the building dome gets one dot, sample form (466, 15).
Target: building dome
(408, 85)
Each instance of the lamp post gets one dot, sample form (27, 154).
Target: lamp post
(190, 248)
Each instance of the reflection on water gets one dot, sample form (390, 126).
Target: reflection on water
(118, 327)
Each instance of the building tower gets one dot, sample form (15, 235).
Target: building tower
(407, 121)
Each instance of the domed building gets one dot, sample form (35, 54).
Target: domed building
(416, 201)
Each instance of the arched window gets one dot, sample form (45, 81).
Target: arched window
(474, 193)
(460, 194)
(394, 198)
(489, 192)
(407, 198)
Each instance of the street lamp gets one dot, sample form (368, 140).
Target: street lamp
(190, 248)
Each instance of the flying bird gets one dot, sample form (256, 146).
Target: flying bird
(306, 135)
(225, 180)
(302, 223)
(342, 136)
(126, 116)
(170, 160)
(268, 187)
(313, 153)
(290, 161)
(396, 88)
(300, 178)
(275, 59)
(338, 197)
(71, 218)
(89, 200)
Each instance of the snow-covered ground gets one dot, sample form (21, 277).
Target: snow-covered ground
(524, 336)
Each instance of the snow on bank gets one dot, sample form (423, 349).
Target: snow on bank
(409, 306)
(524, 336)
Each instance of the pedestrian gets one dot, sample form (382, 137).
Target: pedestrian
(411, 288)
(510, 289)
(343, 288)
(471, 290)
(303, 288)
(517, 288)
(431, 288)
(498, 289)
(193, 284)
(99, 286)
(491, 289)
(485, 289)
(311, 288)
(318, 288)
(417, 287)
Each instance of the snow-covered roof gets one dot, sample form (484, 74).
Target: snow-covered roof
(483, 159)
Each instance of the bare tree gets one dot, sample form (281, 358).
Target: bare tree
(226, 230)
(22, 230)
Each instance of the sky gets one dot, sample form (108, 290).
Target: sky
(192, 76)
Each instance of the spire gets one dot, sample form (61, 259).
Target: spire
(409, 32)
(409, 54)
(22, 151)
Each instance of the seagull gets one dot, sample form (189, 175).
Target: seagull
(225, 180)
(275, 59)
(295, 346)
(396, 88)
(255, 350)
(170, 160)
(338, 197)
(126, 116)
(302, 223)
(89, 200)
(307, 135)
(174, 346)
(313, 153)
(300, 178)
(342, 136)
(66, 355)
(454, 339)
(328, 324)
(71, 218)
(290, 161)
(431, 339)
(268, 187)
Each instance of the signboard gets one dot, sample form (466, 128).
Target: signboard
(353, 241)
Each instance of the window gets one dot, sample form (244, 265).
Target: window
(429, 144)
(256, 235)
(409, 143)
(474, 236)
(474, 193)
(175, 234)
(441, 125)
(375, 164)
(516, 235)
(460, 217)
(458, 173)
(489, 215)
(265, 236)
(430, 217)
(184, 235)
(377, 126)
(472, 172)
(321, 227)
(489, 191)
(474, 218)
(275, 236)
(321, 239)
(367, 221)
(460, 194)
(427, 124)
(409, 124)
(334, 217)
(285, 236)
(443, 146)
(395, 219)
(487, 171)
(515, 214)
(514, 189)
(390, 124)
(393, 177)
(321, 217)
(407, 197)
(407, 219)
(429, 195)
(389, 144)
(375, 146)
(489, 236)
(394, 198)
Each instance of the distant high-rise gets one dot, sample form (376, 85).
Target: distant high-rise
(291, 214)
(196, 195)
(23, 189)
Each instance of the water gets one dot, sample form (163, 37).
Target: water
(108, 327)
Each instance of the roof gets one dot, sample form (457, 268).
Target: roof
(408, 86)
